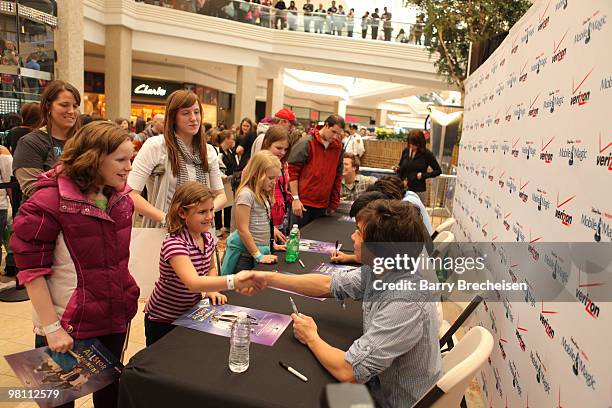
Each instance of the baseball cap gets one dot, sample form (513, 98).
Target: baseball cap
(288, 115)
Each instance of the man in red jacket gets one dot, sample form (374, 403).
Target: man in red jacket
(315, 172)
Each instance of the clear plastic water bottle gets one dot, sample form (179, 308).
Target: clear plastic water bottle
(240, 342)
(293, 245)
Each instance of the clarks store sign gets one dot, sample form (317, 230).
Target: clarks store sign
(153, 89)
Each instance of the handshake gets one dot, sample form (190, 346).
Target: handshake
(250, 282)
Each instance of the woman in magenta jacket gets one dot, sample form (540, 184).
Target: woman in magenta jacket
(71, 242)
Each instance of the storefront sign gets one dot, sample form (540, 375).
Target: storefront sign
(153, 89)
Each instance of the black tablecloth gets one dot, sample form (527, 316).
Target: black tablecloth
(190, 368)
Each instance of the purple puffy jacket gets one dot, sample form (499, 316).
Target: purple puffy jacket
(83, 253)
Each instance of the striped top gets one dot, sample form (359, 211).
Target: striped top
(171, 298)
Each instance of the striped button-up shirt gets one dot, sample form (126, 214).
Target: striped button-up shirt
(398, 355)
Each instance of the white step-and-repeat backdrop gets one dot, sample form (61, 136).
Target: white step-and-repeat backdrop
(535, 166)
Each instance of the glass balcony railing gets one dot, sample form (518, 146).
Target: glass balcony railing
(339, 23)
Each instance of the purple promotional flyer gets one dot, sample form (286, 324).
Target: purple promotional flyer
(308, 245)
(57, 378)
(327, 268)
(266, 327)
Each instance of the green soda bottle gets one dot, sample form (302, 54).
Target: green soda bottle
(293, 245)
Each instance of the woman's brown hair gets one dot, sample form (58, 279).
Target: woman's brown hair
(417, 138)
(275, 134)
(188, 195)
(177, 100)
(48, 96)
(30, 114)
(84, 153)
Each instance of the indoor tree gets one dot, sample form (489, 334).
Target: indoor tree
(451, 25)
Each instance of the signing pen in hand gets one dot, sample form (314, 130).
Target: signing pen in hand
(295, 310)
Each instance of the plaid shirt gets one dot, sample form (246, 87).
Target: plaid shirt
(351, 192)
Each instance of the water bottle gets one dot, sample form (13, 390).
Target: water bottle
(293, 245)
(240, 341)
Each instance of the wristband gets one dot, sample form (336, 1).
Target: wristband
(230, 282)
(258, 256)
(51, 328)
(296, 197)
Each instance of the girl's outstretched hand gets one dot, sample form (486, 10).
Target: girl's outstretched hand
(249, 282)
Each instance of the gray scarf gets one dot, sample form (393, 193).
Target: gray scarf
(184, 158)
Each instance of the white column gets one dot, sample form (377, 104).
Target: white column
(118, 72)
(381, 117)
(246, 92)
(275, 99)
(69, 43)
(340, 107)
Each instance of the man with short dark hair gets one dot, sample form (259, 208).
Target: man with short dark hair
(353, 143)
(308, 8)
(315, 172)
(375, 23)
(398, 355)
(387, 27)
(353, 183)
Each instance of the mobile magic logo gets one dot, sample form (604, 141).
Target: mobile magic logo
(505, 147)
(606, 83)
(511, 81)
(579, 361)
(539, 197)
(540, 63)
(499, 89)
(554, 101)
(517, 229)
(511, 183)
(555, 263)
(519, 111)
(558, 52)
(561, 4)
(515, 377)
(545, 155)
(536, 361)
(527, 34)
(528, 150)
(573, 152)
(598, 221)
(580, 97)
(603, 159)
(590, 26)
(561, 214)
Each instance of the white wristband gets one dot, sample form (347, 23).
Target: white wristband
(51, 328)
(230, 282)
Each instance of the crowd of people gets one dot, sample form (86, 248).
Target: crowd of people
(83, 180)
(281, 15)
(38, 60)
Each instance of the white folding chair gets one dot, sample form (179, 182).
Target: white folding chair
(460, 366)
(445, 226)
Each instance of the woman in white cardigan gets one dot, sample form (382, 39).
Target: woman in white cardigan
(166, 161)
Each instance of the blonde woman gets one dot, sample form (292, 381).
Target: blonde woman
(181, 154)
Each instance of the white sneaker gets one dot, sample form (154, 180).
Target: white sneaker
(7, 285)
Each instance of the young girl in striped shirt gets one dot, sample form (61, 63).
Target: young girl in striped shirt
(185, 263)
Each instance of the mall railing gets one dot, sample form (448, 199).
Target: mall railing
(337, 24)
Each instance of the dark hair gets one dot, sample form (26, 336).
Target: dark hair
(207, 126)
(354, 160)
(220, 137)
(363, 200)
(140, 125)
(30, 114)
(391, 186)
(48, 96)
(84, 119)
(119, 121)
(395, 223)
(250, 122)
(84, 153)
(417, 138)
(275, 134)
(11, 120)
(333, 120)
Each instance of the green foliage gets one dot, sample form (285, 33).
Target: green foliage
(450, 26)
(389, 134)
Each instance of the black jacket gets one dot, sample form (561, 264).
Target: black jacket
(409, 168)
